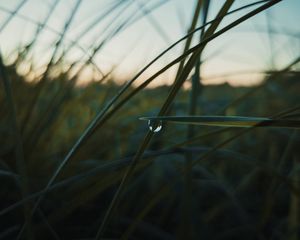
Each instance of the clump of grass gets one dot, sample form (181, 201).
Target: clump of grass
(77, 162)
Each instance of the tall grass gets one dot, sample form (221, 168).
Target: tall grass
(77, 163)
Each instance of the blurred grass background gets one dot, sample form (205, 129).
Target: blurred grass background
(77, 163)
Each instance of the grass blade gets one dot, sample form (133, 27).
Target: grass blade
(228, 121)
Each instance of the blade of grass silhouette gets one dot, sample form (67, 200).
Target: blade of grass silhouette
(170, 98)
(228, 121)
(18, 148)
(10, 17)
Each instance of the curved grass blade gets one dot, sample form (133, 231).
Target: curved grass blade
(228, 121)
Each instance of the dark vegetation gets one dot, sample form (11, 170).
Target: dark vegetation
(118, 180)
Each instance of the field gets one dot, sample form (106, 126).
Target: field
(110, 159)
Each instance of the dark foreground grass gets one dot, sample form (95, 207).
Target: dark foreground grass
(231, 180)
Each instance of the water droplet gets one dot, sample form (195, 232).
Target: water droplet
(155, 125)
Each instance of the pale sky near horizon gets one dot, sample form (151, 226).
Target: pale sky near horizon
(244, 50)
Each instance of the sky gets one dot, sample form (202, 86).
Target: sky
(237, 57)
